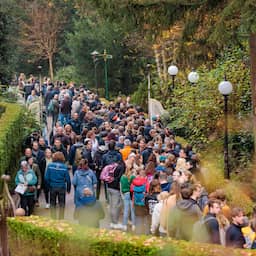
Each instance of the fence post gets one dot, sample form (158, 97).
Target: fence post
(7, 208)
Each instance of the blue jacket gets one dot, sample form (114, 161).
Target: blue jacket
(57, 176)
(28, 177)
(84, 179)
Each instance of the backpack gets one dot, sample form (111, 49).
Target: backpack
(50, 107)
(78, 154)
(111, 157)
(107, 173)
(139, 195)
(200, 233)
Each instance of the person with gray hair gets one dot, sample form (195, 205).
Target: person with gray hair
(27, 180)
(125, 152)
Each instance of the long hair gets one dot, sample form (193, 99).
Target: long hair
(58, 157)
(175, 190)
(154, 187)
(83, 164)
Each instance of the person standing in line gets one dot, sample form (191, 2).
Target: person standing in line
(43, 166)
(27, 177)
(58, 179)
(211, 221)
(84, 178)
(125, 184)
(234, 235)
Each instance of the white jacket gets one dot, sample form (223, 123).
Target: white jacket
(155, 223)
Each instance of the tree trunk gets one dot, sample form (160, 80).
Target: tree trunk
(50, 66)
(165, 72)
(158, 64)
(252, 45)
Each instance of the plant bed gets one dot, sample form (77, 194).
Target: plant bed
(41, 236)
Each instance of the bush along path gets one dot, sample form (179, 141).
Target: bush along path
(58, 238)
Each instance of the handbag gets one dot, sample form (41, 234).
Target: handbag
(31, 189)
(21, 188)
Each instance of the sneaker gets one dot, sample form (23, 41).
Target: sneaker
(112, 225)
(47, 206)
(124, 227)
(133, 227)
(116, 226)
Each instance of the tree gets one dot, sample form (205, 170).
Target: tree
(238, 21)
(41, 29)
(8, 34)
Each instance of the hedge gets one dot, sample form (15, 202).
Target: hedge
(14, 122)
(36, 235)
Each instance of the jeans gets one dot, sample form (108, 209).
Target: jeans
(128, 208)
(114, 204)
(46, 194)
(27, 203)
(59, 193)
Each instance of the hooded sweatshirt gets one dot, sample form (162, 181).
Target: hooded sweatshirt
(182, 218)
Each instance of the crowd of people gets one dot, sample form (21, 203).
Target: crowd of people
(150, 182)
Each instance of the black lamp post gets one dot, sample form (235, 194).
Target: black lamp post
(94, 55)
(173, 71)
(193, 78)
(225, 88)
(105, 56)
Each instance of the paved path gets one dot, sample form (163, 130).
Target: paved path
(70, 207)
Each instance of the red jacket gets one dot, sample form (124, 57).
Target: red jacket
(139, 181)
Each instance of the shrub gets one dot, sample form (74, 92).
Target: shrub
(15, 123)
(212, 168)
(40, 236)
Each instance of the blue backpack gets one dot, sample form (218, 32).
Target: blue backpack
(139, 193)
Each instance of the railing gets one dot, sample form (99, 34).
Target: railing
(7, 208)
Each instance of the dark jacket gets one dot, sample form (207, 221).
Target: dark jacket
(72, 152)
(145, 155)
(66, 106)
(112, 156)
(61, 149)
(234, 236)
(87, 154)
(57, 176)
(212, 226)
(182, 218)
(119, 171)
(76, 125)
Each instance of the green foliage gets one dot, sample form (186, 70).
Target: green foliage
(41, 236)
(93, 33)
(8, 43)
(241, 149)
(67, 74)
(140, 96)
(15, 123)
(212, 166)
(196, 111)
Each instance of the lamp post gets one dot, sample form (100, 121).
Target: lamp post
(105, 57)
(148, 68)
(193, 78)
(225, 88)
(40, 94)
(173, 71)
(94, 55)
